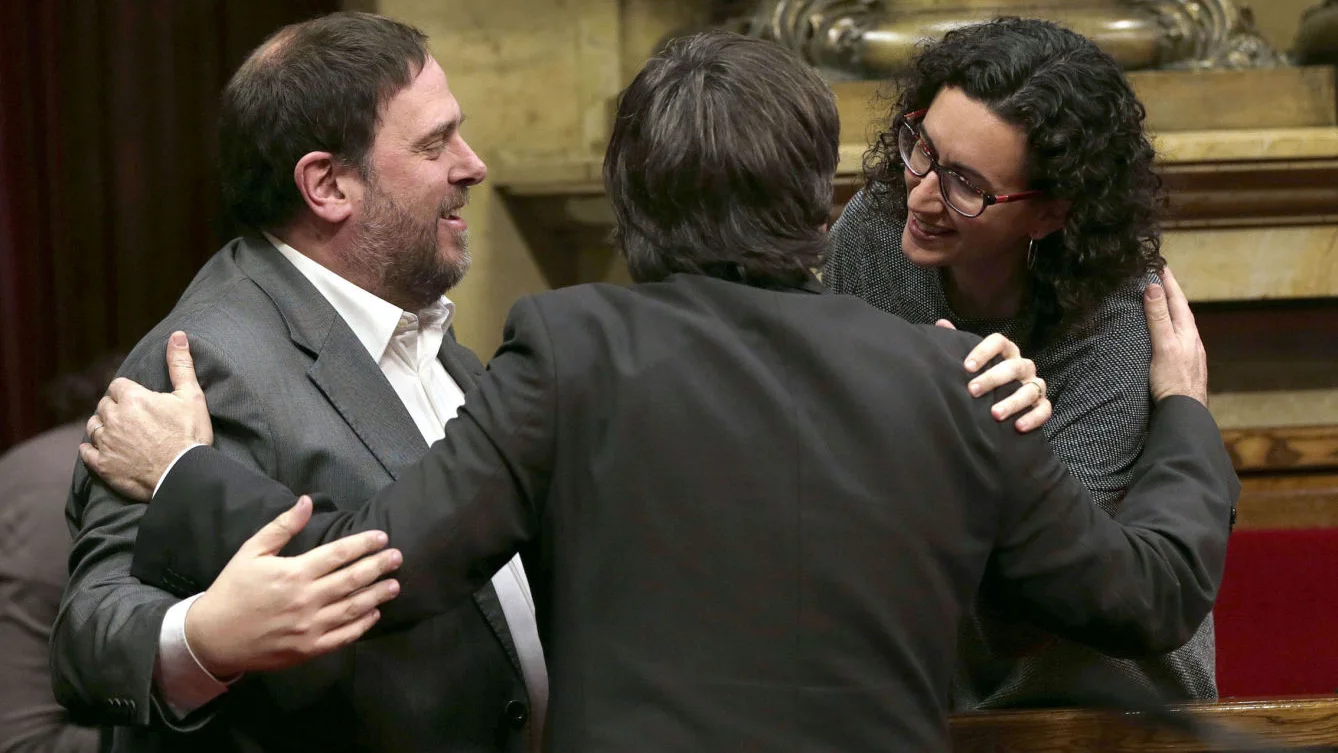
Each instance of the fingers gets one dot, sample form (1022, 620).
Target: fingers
(180, 365)
(93, 424)
(357, 577)
(327, 559)
(1022, 399)
(346, 620)
(345, 634)
(1182, 317)
(278, 532)
(1036, 417)
(1158, 315)
(103, 415)
(945, 324)
(91, 457)
(122, 388)
(994, 345)
(1015, 369)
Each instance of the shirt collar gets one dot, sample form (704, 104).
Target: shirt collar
(372, 319)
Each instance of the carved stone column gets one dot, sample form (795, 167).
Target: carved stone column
(875, 38)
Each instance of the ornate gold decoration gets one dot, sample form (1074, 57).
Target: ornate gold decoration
(876, 38)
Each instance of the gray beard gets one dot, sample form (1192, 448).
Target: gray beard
(401, 253)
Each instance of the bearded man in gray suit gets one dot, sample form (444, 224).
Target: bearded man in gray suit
(326, 346)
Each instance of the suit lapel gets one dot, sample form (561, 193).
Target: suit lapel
(465, 368)
(354, 384)
(341, 368)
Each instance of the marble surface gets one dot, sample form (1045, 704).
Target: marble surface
(1255, 263)
(1240, 410)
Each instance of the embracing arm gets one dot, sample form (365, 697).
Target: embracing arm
(1142, 582)
(457, 515)
(106, 638)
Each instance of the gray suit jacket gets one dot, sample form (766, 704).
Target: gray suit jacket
(294, 396)
(34, 479)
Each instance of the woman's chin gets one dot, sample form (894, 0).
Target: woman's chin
(921, 256)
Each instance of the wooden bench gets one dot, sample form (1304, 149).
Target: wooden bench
(1292, 722)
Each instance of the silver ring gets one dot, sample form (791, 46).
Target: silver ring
(94, 430)
(1040, 386)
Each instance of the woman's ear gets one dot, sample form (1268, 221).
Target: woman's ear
(1054, 213)
(325, 186)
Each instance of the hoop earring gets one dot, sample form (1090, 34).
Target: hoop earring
(1031, 253)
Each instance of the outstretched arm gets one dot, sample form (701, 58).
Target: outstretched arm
(117, 651)
(457, 515)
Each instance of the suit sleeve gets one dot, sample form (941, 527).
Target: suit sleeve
(457, 515)
(105, 637)
(1140, 583)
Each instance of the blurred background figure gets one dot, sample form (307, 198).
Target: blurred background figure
(34, 546)
(101, 227)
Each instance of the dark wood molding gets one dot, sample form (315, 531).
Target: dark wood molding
(1285, 448)
(1287, 501)
(1303, 721)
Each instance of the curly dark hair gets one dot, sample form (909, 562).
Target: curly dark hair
(1086, 144)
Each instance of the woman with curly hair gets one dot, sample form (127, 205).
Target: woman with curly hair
(1013, 192)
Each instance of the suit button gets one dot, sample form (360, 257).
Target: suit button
(517, 713)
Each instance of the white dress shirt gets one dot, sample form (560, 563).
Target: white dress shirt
(405, 346)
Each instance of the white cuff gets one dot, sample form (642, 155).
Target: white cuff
(163, 478)
(183, 685)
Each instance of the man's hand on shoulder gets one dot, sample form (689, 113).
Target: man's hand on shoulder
(267, 612)
(137, 433)
(1179, 362)
(1030, 400)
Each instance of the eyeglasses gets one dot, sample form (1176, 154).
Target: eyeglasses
(958, 192)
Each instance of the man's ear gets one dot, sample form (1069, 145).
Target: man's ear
(326, 186)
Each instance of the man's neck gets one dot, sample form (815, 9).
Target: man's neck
(327, 249)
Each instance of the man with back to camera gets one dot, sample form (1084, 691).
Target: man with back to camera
(757, 510)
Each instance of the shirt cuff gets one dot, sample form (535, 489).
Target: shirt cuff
(163, 478)
(183, 685)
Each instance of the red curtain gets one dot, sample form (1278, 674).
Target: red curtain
(109, 196)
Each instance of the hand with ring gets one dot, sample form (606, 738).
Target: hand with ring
(137, 433)
(1030, 400)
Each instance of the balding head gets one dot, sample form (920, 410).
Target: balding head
(316, 86)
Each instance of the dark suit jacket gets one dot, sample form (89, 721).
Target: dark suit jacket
(34, 543)
(294, 396)
(754, 518)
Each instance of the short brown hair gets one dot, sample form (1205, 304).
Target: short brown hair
(721, 162)
(314, 86)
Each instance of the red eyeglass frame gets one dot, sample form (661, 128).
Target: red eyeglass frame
(934, 166)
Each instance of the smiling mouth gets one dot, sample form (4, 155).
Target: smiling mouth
(929, 229)
(452, 211)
